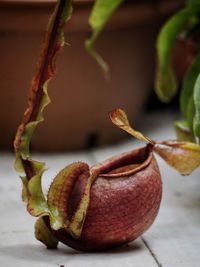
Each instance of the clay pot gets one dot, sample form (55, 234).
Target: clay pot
(81, 97)
(183, 55)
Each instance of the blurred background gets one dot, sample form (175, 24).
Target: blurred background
(81, 98)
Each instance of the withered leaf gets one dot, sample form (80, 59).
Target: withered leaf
(183, 156)
(119, 118)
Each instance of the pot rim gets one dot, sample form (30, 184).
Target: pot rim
(40, 2)
(163, 6)
(14, 13)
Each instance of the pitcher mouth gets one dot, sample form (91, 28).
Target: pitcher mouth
(124, 164)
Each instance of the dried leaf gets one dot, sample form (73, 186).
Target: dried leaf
(119, 118)
(183, 156)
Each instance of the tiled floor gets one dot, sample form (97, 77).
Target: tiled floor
(172, 241)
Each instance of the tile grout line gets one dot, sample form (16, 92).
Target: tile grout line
(151, 252)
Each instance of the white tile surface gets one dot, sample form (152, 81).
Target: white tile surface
(17, 243)
(174, 237)
(173, 240)
(21, 249)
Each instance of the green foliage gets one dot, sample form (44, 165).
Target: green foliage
(101, 12)
(166, 85)
(44, 235)
(183, 131)
(186, 20)
(188, 86)
(187, 95)
(197, 108)
(193, 4)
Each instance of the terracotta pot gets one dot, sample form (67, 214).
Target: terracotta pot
(183, 55)
(81, 98)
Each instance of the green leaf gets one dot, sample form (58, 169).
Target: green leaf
(188, 88)
(44, 234)
(193, 4)
(59, 198)
(187, 94)
(25, 192)
(197, 107)
(101, 12)
(32, 191)
(37, 204)
(60, 192)
(190, 114)
(166, 84)
(183, 132)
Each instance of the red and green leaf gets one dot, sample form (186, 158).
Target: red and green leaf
(37, 101)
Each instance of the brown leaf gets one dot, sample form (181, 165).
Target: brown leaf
(183, 156)
(119, 118)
